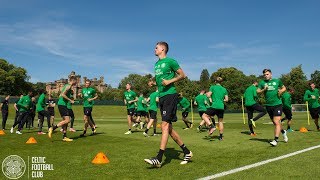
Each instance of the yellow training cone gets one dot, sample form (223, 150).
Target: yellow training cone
(31, 140)
(2, 132)
(158, 125)
(303, 129)
(100, 158)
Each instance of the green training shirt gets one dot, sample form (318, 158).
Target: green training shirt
(250, 95)
(312, 103)
(271, 94)
(185, 104)
(202, 102)
(218, 94)
(165, 69)
(153, 103)
(88, 93)
(41, 104)
(24, 104)
(286, 100)
(62, 101)
(129, 96)
(141, 104)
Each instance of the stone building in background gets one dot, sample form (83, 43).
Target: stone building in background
(56, 86)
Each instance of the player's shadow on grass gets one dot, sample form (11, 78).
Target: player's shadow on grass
(171, 153)
(88, 135)
(260, 139)
(210, 138)
(246, 132)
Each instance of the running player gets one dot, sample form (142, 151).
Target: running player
(250, 101)
(50, 107)
(142, 110)
(287, 109)
(202, 102)
(218, 95)
(5, 111)
(130, 97)
(185, 107)
(312, 96)
(42, 113)
(167, 72)
(88, 94)
(64, 97)
(23, 105)
(272, 89)
(153, 100)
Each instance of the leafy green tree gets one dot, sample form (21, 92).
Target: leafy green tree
(204, 79)
(235, 81)
(139, 83)
(13, 80)
(297, 80)
(315, 77)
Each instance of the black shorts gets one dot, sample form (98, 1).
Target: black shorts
(212, 112)
(185, 114)
(168, 107)
(287, 112)
(274, 111)
(255, 107)
(63, 110)
(51, 111)
(142, 113)
(71, 114)
(153, 114)
(314, 112)
(87, 111)
(201, 113)
(130, 111)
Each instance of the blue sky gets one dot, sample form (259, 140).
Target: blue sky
(116, 38)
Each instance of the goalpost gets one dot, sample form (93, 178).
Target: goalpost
(303, 108)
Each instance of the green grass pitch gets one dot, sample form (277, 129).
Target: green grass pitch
(126, 152)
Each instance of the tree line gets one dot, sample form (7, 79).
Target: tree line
(15, 81)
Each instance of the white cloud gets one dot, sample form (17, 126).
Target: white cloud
(222, 46)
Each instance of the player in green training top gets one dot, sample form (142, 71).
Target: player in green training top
(250, 101)
(218, 95)
(185, 107)
(24, 105)
(272, 89)
(42, 113)
(142, 110)
(64, 98)
(88, 94)
(312, 97)
(202, 101)
(130, 97)
(153, 100)
(167, 72)
(287, 109)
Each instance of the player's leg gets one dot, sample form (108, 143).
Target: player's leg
(250, 119)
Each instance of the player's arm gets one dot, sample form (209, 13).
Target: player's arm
(195, 103)
(226, 98)
(157, 99)
(94, 98)
(1, 107)
(259, 90)
(133, 101)
(64, 94)
(306, 96)
(15, 105)
(179, 76)
(209, 96)
(125, 101)
(282, 90)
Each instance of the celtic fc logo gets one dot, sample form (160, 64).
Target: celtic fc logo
(13, 167)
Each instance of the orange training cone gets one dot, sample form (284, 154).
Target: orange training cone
(31, 140)
(303, 129)
(2, 132)
(100, 158)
